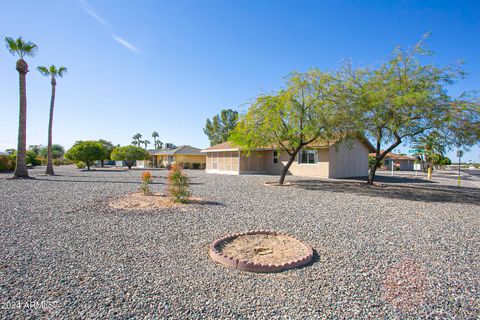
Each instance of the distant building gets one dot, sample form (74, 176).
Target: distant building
(400, 162)
(189, 157)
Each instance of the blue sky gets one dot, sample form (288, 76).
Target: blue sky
(140, 66)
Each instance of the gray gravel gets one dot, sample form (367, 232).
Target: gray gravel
(382, 252)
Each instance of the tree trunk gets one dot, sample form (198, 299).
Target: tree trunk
(373, 169)
(21, 162)
(129, 166)
(88, 165)
(49, 169)
(287, 166)
(102, 163)
(378, 159)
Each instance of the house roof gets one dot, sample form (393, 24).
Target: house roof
(228, 146)
(395, 156)
(185, 150)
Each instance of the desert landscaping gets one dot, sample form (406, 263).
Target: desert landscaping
(375, 255)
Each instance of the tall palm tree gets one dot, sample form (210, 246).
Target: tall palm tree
(21, 48)
(155, 136)
(53, 73)
(146, 143)
(136, 139)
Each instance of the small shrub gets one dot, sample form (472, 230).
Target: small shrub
(196, 166)
(58, 162)
(41, 160)
(178, 185)
(146, 179)
(6, 164)
(80, 164)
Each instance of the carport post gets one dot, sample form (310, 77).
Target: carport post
(392, 167)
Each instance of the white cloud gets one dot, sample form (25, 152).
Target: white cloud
(125, 43)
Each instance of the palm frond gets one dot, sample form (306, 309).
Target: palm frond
(11, 45)
(61, 71)
(44, 71)
(21, 47)
(53, 70)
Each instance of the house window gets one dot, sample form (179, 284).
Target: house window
(387, 162)
(308, 157)
(275, 156)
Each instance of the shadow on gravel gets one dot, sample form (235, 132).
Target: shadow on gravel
(423, 193)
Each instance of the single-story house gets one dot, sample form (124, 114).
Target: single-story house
(190, 157)
(322, 160)
(400, 162)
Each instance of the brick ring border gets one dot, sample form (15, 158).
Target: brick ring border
(247, 265)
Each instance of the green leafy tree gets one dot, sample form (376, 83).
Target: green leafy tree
(129, 154)
(400, 100)
(307, 111)
(137, 140)
(57, 151)
(218, 129)
(440, 160)
(432, 144)
(52, 72)
(86, 151)
(35, 148)
(107, 149)
(21, 48)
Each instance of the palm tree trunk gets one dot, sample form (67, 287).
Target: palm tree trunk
(21, 162)
(49, 169)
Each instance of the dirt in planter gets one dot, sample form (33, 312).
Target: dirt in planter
(139, 201)
(264, 248)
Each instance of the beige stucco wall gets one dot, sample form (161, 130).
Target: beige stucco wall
(318, 170)
(348, 159)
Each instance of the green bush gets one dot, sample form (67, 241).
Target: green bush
(178, 185)
(80, 164)
(6, 164)
(61, 162)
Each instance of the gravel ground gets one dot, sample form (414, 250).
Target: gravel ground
(408, 249)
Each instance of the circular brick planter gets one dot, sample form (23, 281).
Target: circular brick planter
(219, 251)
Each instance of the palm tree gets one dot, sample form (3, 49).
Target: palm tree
(431, 145)
(21, 48)
(35, 148)
(146, 143)
(155, 136)
(136, 139)
(53, 73)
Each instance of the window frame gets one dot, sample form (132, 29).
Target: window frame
(308, 151)
(275, 157)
